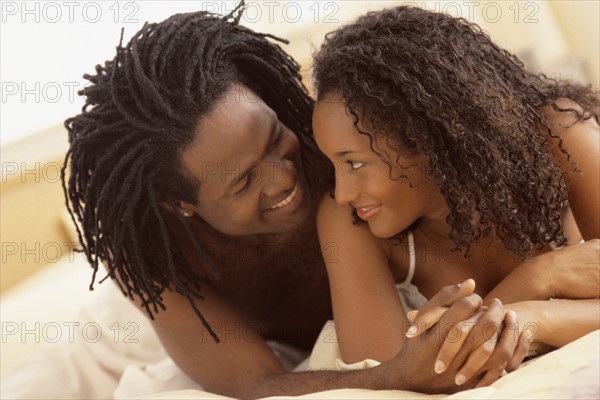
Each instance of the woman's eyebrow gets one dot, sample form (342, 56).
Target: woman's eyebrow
(346, 152)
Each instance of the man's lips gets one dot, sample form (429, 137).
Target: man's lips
(286, 200)
(366, 212)
(294, 197)
(290, 203)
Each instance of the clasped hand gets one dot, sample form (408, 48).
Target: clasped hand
(478, 343)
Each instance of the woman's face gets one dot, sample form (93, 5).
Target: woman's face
(249, 169)
(390, 201)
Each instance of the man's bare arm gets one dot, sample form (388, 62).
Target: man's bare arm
(243, 366)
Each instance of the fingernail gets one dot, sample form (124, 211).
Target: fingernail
(465, 283)
(439, 367)
(460, 379)
(412, 331)
(528, 335)
(411, 315)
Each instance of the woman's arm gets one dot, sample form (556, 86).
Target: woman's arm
(572, 272)
(370, 320)
(558, 322)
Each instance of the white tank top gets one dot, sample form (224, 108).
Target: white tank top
(409, 294)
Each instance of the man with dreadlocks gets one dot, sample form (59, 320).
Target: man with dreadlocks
(194, 181)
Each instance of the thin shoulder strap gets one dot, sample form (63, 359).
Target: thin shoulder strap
(412, 257)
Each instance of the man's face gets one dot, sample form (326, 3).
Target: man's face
(249, 169)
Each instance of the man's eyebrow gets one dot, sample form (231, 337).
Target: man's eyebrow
(249, 168)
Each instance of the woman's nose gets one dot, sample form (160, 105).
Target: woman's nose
(345, 192)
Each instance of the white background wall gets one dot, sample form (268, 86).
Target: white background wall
(47, 46)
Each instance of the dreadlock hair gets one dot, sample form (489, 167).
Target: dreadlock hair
(433, 84)
(140, 112)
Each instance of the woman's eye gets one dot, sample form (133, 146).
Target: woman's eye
(355, 164)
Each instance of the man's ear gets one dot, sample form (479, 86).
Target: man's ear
(181, 207)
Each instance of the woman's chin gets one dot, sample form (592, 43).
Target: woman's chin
(383, 231)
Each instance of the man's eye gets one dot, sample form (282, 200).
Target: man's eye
(277, 138)
(355, 164)
(247, 184)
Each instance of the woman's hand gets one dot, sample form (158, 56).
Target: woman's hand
(512, 345)
(487, 339)
(430, 313)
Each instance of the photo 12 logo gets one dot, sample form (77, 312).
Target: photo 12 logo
(53, 12)
(489, 11)
(69, 331)
(279, 11)
(40, 92)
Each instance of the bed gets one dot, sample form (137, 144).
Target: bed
(80, 344)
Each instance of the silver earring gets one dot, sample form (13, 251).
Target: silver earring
(187, 214)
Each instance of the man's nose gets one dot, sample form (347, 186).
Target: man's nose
(279, 176)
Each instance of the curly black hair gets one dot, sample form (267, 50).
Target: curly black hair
(140, 112)
(437, 85)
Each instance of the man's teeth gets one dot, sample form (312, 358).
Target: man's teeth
(288, 199)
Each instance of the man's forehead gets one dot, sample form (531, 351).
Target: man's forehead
(227, 139)
(237, 107)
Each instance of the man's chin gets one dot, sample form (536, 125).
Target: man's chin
(293, 223)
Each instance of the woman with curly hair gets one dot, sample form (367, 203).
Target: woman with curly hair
(467, 168)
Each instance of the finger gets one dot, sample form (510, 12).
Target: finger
(520, 352)
(454, 338)
(446, 296)
(461, 309)
(506, 346)
(491, 376)
(476, 361)
(486, 335)
(411, 315)
(489, 325)
(426, 321)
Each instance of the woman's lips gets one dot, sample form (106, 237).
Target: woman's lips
(367, 212)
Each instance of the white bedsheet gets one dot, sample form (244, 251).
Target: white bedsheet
(127, 360)
(81, 342)
(571, 372)
(61, 341)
